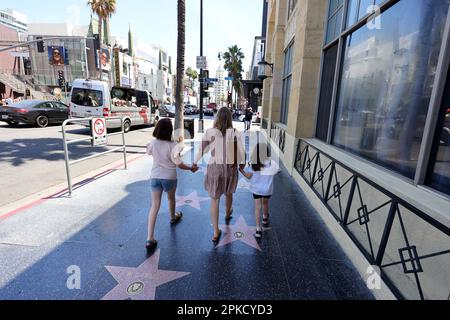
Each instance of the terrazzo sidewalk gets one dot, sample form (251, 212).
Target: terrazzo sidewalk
(101, 231)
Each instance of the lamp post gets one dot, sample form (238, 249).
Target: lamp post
(202, 78)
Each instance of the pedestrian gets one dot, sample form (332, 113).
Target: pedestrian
(248, 118)
(166, 158)
(261, 176)
(225, 146)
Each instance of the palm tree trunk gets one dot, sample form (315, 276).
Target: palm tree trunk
(99, 54)
(179, 115)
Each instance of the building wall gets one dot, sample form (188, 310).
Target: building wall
(305, 29)
(393, 218)
(6, 60)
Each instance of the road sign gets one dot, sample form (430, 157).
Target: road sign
(98, 132)
(210, 80)
(202, 63)
(229, 79)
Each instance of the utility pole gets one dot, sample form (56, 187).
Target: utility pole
(202, 79)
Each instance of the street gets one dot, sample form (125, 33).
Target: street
(32, 159)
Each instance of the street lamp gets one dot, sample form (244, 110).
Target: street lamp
(263, 64)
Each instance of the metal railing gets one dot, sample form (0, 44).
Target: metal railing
(278, 135)
(67, 143)
(411, 249)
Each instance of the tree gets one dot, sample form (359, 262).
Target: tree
(233, 64)
(104, 9)
(181, 48)
(192, 75)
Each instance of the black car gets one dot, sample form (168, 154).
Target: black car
(37, 112)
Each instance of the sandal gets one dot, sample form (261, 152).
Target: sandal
(178, 217)
(216, 239)
(229, 216)
(151, 245)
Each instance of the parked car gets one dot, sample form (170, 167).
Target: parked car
(35, 112)
(190, 109)
(169, 111)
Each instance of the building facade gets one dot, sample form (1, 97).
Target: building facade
(357, 107)
(14, 20)
(220, 87)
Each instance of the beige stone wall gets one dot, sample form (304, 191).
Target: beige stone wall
(305, 27)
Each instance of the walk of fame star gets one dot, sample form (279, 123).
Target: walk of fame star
(241, 231)
(192, 200)
(140, 283)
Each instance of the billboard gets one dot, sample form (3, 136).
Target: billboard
(105, 59)
(57, 55)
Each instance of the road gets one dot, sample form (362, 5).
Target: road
(32, 159)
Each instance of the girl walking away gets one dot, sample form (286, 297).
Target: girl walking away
(166, 158)
(227, 153)
(263, 171)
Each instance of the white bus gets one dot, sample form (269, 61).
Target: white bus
(90, 98)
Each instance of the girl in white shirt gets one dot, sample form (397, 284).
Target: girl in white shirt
(166, 158)
(263, 171)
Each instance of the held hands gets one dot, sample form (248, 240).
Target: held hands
(194, 168)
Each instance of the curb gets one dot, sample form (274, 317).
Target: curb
(61, 189)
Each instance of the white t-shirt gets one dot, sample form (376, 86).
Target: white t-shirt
(261, 182)
(166, 157)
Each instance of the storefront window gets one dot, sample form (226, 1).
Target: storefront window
(386, 84)
(287, 78)
(335, 16)
(440, 162)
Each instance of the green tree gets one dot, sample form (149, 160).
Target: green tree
(181, 48)
(233, 64)
(192, 75)
(104, 9)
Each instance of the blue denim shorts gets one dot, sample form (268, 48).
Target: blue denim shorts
(163, 185)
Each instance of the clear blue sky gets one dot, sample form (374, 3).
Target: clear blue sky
(226, 22)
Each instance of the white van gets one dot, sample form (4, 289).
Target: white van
(90, 98)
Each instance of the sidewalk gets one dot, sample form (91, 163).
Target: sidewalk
(102, 231)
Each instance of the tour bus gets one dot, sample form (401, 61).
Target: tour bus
(90, 99)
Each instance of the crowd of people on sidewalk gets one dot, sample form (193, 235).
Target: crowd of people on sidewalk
(227, 159)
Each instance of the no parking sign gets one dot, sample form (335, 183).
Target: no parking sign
(98, 132)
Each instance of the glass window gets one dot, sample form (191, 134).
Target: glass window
(87, 98)
(440, 162)
(352, 16)
(335, 19)
(386, 84)
(291, 7)
(326, 92)
(287, 77)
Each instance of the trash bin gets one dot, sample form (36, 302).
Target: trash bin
(189, 127)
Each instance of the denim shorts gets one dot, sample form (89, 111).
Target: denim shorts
(163, 185)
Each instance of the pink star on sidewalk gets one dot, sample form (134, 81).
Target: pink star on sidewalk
(241, 231)
(140, 283)
(192, 200)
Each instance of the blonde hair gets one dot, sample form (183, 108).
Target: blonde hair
(224, 120)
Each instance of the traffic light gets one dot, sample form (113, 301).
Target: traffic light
(40, 45)
(61, 80)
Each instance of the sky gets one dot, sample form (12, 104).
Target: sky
(226, 23)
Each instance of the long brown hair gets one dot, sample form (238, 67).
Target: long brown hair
(163, 130)
(224, 120)
(261, 154)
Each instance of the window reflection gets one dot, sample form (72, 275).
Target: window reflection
(386, 84)
(440, 177)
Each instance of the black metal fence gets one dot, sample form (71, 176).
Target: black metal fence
(411, 249)
(278, 135)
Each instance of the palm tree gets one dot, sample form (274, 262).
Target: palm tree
(233, 64)
(192, 75)
(104, 9)
(181, 47)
